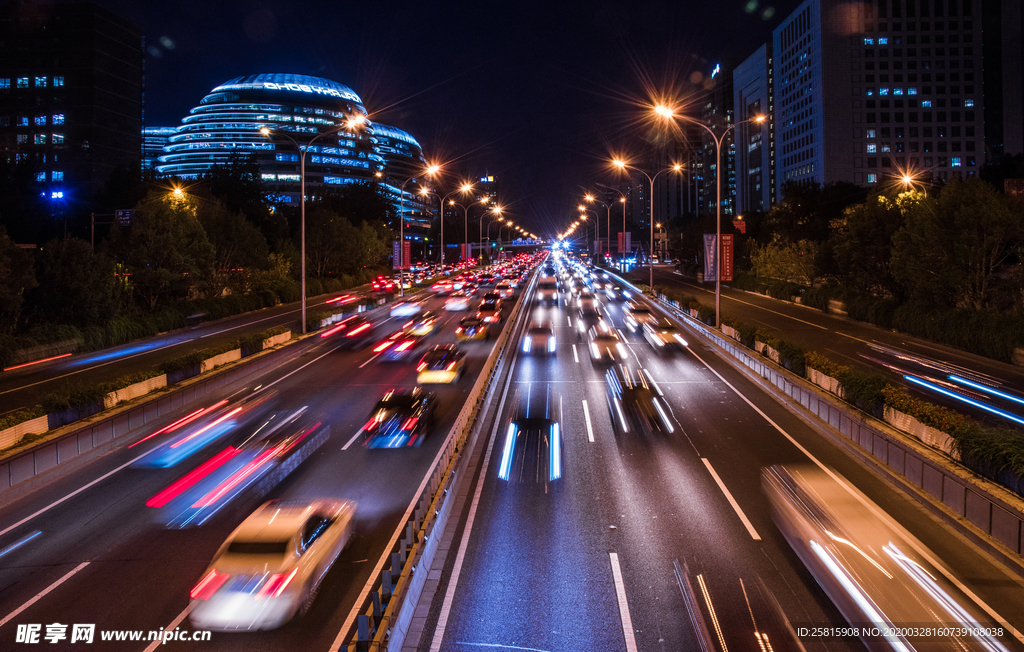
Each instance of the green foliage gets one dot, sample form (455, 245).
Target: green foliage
(818, 297)
(817, 361)
(986, 333)
(786, 260)
(20, 416)
(254, 343)
(76, 285)
(183, 362)
(863, 390)
(16, 278)
(862, 245)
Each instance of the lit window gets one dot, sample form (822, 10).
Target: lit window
(40, 120)
(22, 138)
(872, 148)
(57, 194)
(58, 118)
(40, 139)
(40, 176)
(869, 92)
(869, 41)
(886, 148)
(883, 91)
(22, 82)
(897, 91)
(871, 133)
(269, 177)
(57, 175)
(956, 162)
(40, 82)
(883, 40)
(58, 139)
(58, 81)
(912, 90)
(22, 121)
(5, 84)
(926, 104)
(968, 102)
(872, 177)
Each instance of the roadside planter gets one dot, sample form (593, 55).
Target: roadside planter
(928, 435)
(134, 391)
(13, 435)
(827, 383)
(271, 342)
(729, 331)
(223, 358)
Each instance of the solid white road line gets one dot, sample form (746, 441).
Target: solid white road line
(247, 324)
(39, 596)
(449, 596)
(878, 512)
(586, 415)
(732, 501)
(351, 441)
(620, 595)
(174, 623)
(575, 355)
(569, 319)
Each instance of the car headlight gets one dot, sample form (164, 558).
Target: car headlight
(526, 345)
(551, 343)
(621, 349)
(594, 350)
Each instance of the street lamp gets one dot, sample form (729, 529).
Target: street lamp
(266, 131)
(622, 200)
(490, 224)
(465, 219)
(667, 112)
(908, 182)
(608, 218)
(463, 189)
(497, 211)
(583, 209)
(430, 171)
(508, 224)
(622, 166)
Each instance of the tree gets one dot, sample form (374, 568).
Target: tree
(952, 249)
(16, 278)
(807, 210)
(787, 261)
(861, 244)
(165, 249)
(76, 285)
(238, 185)
(239, 247)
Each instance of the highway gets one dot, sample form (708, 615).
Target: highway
(102, 556)
(636, 522)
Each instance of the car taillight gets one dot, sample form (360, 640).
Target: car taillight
(459, 329)
(356, 331)
(452, 365)
(410, 423)
(404, 345)
(207, 586)
(371, 424)
(380, 347)
(421, 366)
(276, 585)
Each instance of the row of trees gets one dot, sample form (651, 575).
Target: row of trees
(958, 246)
(217, 236)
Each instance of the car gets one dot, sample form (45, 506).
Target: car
(547, 290)
(270, 568)
(539, 340)
(589, 316)
(490, 308)
(470, 329)
(423, 324)
(442, 363)
(605, 345)
(663, 335)
(402, 417)
(381, 285)
(637, 314)
(406, 308)
(442, 287)
(636, 403)
(398, 346)
(505, 289)
(458, 301)
(532, 451)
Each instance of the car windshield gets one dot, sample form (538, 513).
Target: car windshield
(258, 547)
(540, 330)
(489, 305)
(396, 402)
(639, 310)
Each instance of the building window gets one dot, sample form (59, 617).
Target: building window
(869, 41)
(872, 148)
(58, 139)
(22, 121)
(58, 81)
(58, 118)
(897, 91)
(40, 120)
(883, 40)
(968, 102)
(5, 84)
(885, 147)
(883, 91)
(40, 82)
(22, 82)
(40, 176)
(5, 121)
(22, 138)
(40, 139)
(872, 177)
(870, 133)
(57, 175)
(926, 104)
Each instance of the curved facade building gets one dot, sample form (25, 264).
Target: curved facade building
(296, 108)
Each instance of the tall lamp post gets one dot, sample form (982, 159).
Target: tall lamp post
(430, 171)
(508, 224)
(608, 218)
(675, 168)
(622, 200)
(583, 209)
(464, 189)
(266, 131)
(667, 112)
(465, 219)
(497, 211)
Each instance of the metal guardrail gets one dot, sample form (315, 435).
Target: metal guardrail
(385, 621)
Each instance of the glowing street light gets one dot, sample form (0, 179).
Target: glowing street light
(465, 219)
(622, 165)
(465, 188)
(430, 171)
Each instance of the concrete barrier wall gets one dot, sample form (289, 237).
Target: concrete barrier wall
(81, 442)
(996, 512)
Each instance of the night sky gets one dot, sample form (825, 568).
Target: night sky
(536, 93)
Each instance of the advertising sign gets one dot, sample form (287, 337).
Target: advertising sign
(710, 259)
(406, 255)
(727, 246)
(396, 255)
(627, 246)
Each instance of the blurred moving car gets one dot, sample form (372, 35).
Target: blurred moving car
(605, 345)
(490, 308)
(589, 316)
(398, 346)
(423, 325)
(637, 314)
(442, 287)
(636, 403)
(663, 336)
(381, 284)
(458, 301)
(442, 363)
(402, 417)
(406, 308)
(874, 573)
(532, 451)
(505, 290)
(539, 340)
(471, 329)
(270, 568)
(547, 289)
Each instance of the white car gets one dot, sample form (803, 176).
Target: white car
(505, 290)
(539, 340)
(406, 308)
(458, 301)
(270, 567)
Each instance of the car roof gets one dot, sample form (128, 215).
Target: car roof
(274, 522)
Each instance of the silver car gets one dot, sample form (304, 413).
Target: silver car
(539, 340)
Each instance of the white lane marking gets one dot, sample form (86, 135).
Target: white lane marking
(351, 441)
(732, 501)
(586, 415)
(569, 319)
(575, 355)
(248, 323)
(370, 360)
(266, 387)
(449, 596)
(911, 540)
(41, 594)
(503, 647)
(620, 595)
(174, 623)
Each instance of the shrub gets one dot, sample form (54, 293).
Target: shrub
(181, 363)
(863, 390)
(815, 360)
(948, 421)
(20, 416)
(820, 296)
